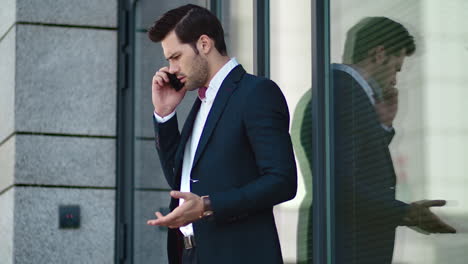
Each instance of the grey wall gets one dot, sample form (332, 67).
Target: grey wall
(58, 72)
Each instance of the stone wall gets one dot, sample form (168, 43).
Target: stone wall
(58, 91)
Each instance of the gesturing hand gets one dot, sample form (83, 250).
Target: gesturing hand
(186, 213)
(165, 98)
(420, 215)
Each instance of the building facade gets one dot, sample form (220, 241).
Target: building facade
(76, 126)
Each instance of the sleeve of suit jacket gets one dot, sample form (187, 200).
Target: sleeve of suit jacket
(266, 121)
(364, 174)
(167, 148)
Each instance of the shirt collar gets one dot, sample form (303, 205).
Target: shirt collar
(218, 79)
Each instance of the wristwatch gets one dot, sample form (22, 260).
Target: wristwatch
(207, 210)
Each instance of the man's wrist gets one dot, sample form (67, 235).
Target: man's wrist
(163, 111)
(162, 114)
(163, 119)
(411, 215)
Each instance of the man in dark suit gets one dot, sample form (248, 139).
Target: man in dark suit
(366, 103)
(233, 160)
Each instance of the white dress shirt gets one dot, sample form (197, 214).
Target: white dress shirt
(199, 124)
(362, 82)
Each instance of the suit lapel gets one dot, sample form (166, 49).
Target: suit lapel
(186, 132)
(220, 102)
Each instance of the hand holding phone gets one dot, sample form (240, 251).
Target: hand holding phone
(167, 92)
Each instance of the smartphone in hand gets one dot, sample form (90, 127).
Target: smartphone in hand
(175, 82)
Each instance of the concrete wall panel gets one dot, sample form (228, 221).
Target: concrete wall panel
(38, 239)
(65, 161)
(70, 12)
(66, 80)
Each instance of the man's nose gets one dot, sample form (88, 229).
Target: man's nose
(174, 69)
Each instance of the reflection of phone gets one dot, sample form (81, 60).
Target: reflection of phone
(175, 82)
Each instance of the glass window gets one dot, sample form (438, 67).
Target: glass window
(237, 20)
(290, 68)
(400, 138)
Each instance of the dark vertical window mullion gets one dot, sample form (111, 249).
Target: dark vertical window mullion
(217, 8)
(322, 102)
(330, 134)
(262, 37)
(125, 134)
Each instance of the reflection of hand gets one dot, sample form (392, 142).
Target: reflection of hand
(421, 216)
(186, 213)
(387, 108)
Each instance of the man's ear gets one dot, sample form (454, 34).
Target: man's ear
(379, 54)
(204, 44)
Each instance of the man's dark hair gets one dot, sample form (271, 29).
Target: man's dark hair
(371, 32)
(189, 22)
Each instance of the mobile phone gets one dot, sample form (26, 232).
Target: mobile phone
(175, 82)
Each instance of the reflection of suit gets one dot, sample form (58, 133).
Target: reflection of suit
(367, 212)
(244, 162)
(301, 134)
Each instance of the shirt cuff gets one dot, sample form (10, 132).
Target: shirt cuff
(387, 128)
(163, 119)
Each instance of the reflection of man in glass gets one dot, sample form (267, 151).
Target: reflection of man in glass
(366, 102)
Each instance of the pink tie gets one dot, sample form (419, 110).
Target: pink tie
(202, 92)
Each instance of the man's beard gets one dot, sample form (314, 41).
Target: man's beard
(199, 75)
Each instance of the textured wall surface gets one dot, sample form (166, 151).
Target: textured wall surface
(38, 239)
(66, 80)
(58, 93)
(69, 12)
(74, 161)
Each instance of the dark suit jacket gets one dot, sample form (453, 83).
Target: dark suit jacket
(244, 162)
(367, 212)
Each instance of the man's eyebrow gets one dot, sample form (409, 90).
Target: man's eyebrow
(173, 55)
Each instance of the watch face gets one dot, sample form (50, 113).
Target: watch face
(207, 213)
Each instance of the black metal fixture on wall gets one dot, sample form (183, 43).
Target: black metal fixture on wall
(322, 131)
(262, 38)
(125, 134)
